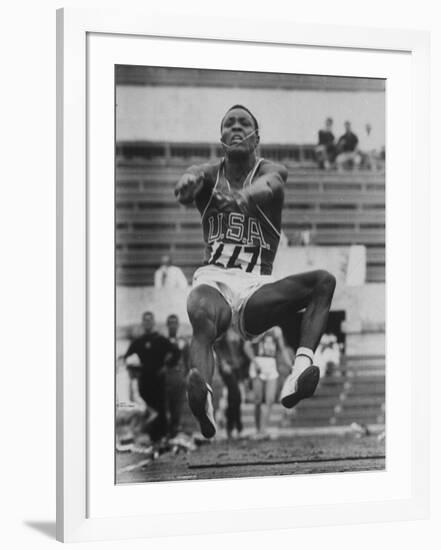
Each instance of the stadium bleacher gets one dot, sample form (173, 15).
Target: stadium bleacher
(339, 208)
(353, 394)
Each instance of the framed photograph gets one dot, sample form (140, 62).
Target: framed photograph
(297, 326)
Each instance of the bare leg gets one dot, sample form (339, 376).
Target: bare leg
(281, 299)
(266, 417)
(270, 397)
(210, 316)
(257, 416)
(258, 397)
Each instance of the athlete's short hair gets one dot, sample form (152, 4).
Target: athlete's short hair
(173, 317)
(238, 106)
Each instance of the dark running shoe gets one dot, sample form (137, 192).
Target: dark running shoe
(201, 403)
(298, 387)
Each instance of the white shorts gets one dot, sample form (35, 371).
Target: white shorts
(268, 368)
(236, 287)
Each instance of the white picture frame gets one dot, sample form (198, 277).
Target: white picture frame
(80, 518)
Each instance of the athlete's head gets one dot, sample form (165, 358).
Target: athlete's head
(347, 126)
(239, 131)
(328, 123)
(172, 325)
(148, 321)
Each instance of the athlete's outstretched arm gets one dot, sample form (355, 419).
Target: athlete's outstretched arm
(268, 185)
(266, 188)
(192, 182)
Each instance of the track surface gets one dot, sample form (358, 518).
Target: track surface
(248, 458)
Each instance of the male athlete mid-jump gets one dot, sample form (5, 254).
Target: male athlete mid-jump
(240, 200)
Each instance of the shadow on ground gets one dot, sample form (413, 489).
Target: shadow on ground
(45, 527)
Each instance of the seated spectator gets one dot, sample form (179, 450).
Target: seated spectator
(169, 276)
(326, 149)
(347, 151)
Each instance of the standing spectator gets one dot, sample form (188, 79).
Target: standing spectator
(326, 150)
(367, 148)
(169, 276)
(153, 350)
(348, 155)
(230, 361)
(264, 374)
(176, 371)
(327, 355)
(305, 237)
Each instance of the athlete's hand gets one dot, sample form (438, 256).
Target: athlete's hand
(188, 187)
(230, 202)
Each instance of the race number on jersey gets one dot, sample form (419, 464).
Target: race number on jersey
(234, 255)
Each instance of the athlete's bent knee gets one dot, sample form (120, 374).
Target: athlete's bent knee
(199, 307)
(326, 281)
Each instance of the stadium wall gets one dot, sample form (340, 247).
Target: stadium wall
(364, 307)
(173, 113)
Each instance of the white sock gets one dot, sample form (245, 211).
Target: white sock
(303, 360)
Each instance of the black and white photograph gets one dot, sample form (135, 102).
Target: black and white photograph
(250, 274)
(225, 217)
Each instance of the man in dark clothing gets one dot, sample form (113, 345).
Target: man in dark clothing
(230, 358)
(326, 150)
(176, 372)
(153, 351)
(348, 154)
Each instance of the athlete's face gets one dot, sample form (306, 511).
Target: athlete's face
(238, 132)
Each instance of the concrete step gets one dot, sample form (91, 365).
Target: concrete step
(367, 378)
(368, 421)
(361, 344)
(371, 391)
(359, 413)
(348, 401)
(365, 361)
(366, 373)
